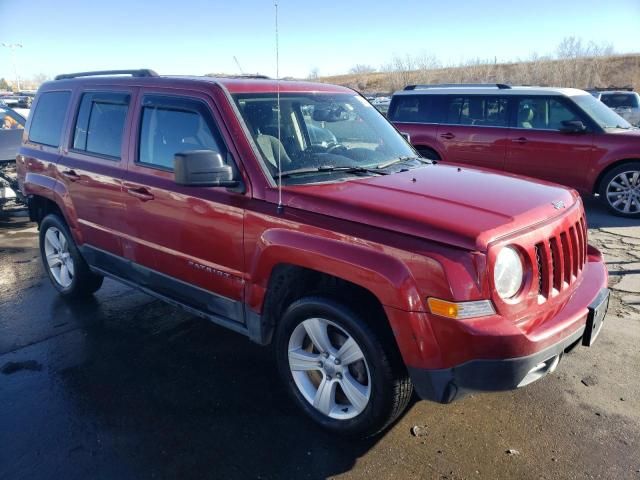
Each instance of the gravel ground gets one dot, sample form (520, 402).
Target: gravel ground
(124, 386)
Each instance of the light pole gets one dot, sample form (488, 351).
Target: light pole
(12, 47)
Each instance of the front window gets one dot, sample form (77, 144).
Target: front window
(600, 113)
(544, 113)
(323, 137)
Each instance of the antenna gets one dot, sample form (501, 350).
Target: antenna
(235, 59)
(280, 206)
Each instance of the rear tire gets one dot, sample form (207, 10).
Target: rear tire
(68, 271)
(337, 370)
(620, 190)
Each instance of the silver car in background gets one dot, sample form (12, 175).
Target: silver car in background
(624, 103)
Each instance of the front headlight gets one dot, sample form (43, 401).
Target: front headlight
(508, 273)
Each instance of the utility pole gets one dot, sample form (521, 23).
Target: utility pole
(12, 47)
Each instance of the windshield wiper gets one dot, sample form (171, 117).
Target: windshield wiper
(400, 160)
(330, 168)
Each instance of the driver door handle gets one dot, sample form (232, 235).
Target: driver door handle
(140, 192)
(520, 140)
(447, 135)
(71, 175)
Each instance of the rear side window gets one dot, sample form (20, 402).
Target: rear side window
(414, 109)
(172, 125)
(48, 118)
(476, 110)
(100, 123)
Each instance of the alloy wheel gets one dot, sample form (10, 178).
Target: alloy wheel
(329, 368)
(623, 192)
(58, 257)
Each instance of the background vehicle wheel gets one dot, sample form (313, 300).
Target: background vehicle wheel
(337, 370)
(426, 152)
(620, 190)
(67, 270)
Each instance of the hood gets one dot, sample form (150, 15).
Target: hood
(465, 207)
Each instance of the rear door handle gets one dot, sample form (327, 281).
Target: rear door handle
(520, 140)
(71, 175)
(447, 135)
(141, 193)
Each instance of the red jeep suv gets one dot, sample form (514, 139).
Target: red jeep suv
(561, 135)
(371, 271)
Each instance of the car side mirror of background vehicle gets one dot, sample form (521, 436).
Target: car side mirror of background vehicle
(203, 168)
(573, 126)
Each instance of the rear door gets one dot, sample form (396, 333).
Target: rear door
(474, 130)
(93, 163)
(184, 242)
(537, 146)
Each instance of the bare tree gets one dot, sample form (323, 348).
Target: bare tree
(314, 74)
(361, 73)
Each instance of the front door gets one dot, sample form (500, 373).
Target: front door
(184, 242)
(539, 148)
(474, 130)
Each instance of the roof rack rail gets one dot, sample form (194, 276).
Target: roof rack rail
(501, 86)
(611, 88)
(143, 72)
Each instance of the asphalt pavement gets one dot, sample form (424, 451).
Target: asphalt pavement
(126, 387)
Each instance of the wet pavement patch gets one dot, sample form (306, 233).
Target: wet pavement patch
(13, 367)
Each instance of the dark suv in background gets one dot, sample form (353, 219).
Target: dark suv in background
(561, 135)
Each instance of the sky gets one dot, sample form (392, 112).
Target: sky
(198, 37)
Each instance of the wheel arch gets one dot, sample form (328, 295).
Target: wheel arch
(288, 265)
(608, 168)
(48, 195)
(423, 146)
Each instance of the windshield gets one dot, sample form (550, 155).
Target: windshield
(323, 137)
(600, 113)
(620, 100)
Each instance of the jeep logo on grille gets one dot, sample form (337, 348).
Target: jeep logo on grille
(558, 204)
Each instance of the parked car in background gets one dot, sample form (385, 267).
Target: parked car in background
(371, 271)
(16, 101)
(561, 135)
(624, 103)
(11, 129)
(382, 104)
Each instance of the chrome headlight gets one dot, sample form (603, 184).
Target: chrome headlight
(508, 273)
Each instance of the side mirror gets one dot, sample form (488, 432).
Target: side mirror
(406, 136)
(203, 168)
(573, 126)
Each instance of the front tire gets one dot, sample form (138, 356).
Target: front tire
(337, 370)
(620, 190)
(67, 270)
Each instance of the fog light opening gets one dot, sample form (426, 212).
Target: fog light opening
(540, 370)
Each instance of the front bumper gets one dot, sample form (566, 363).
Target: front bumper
(447, 384)
(496, 373)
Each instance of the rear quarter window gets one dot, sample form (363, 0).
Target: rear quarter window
(48, 118)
